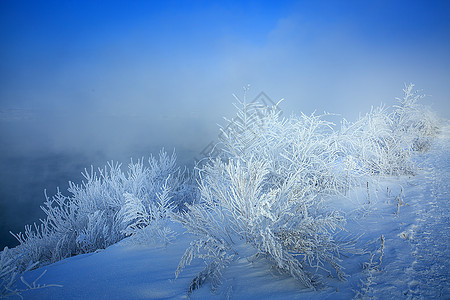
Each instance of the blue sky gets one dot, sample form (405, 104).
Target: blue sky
(116, 75)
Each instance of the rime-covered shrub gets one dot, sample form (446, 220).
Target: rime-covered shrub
(371, 142)
(281, 221)
(266, 190)
(383, 141)
(412, 123)
(105, 208)
(146, 222)
(303, 144)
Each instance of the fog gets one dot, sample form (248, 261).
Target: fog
(83, 83)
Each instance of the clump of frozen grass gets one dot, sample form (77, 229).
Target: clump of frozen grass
(9, 275)
(370, 268)
(105, 208)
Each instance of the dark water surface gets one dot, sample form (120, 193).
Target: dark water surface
(23, 180)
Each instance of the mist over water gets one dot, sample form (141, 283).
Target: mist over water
(32, 161)
(83, 83)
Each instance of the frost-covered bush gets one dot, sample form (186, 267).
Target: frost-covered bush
(240, 204)
(103, 209)
(147, 221)
(414, 124)
(371, 142)
(303, 144)
(266, 190)
(383, 142)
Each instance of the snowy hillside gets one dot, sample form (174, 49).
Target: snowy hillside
(282, 208)
(411, 213)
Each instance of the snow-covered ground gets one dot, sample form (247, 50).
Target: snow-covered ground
(404, 225)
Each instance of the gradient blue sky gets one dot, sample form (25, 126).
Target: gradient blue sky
(114, 76)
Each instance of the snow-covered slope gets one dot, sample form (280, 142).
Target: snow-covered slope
(404, 225)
